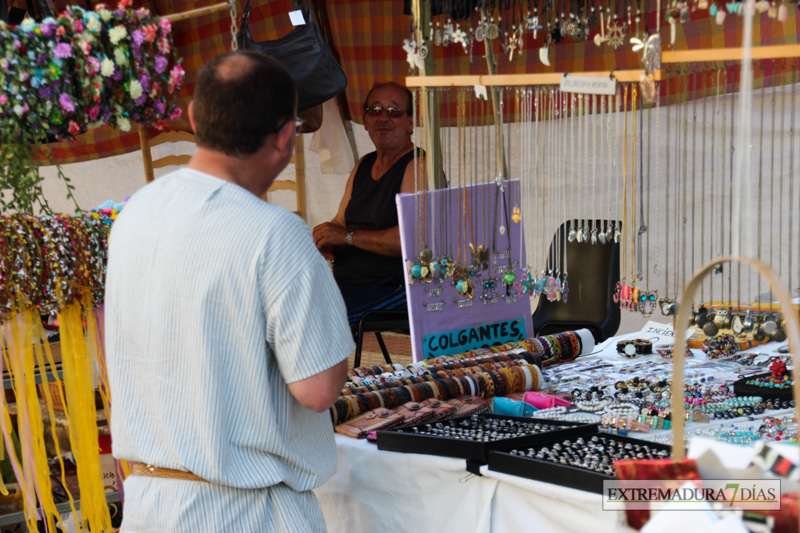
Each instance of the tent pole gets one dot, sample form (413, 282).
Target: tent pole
(147, 157)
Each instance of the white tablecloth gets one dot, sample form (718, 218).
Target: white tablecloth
(376, 490)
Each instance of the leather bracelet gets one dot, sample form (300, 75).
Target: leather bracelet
(528, 377)
(470, 386)
(643, 346)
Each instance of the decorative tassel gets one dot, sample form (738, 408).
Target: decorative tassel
(79, 381)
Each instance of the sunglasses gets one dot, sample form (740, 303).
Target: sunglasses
(391, 112)
(298, 124)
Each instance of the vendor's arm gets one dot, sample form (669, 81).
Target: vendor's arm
(385, 242)
(320, 391)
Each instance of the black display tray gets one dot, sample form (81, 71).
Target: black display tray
(565, 475)
(741, 388)
(401, 440)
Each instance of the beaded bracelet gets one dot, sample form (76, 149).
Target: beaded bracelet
(719, 346)
(665, 351)
(552, 413)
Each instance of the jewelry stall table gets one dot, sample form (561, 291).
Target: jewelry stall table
(375, 489)
(392, 491)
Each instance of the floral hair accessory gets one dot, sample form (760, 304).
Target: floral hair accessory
(80, 70)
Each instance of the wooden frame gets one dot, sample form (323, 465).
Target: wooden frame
(550, 78)
(730, 54)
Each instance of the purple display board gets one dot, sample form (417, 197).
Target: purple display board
(475, 227)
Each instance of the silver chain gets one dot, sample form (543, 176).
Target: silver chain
(234, 28)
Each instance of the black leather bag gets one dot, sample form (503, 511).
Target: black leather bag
(305, 54)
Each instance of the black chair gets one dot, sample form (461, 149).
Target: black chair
(593, 271)
(380, 321)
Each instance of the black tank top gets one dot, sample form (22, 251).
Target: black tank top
(372, 206)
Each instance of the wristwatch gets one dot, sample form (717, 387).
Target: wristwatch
(626, 348)
(350, 238)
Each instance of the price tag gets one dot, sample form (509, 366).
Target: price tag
(297, 18)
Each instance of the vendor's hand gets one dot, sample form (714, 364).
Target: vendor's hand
(329, 235)
(327, 253)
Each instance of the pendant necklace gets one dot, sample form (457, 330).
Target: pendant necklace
(666, 302)
(634, 292)
(682, 220)
(693, 188)
(574, 230)
(417, 270)
(701, 314)
(623, 292)
(648, 297)
(541, 107)
(596, 131)
(732, 151)
(759, 214)
(782, 157)
(460, 278)
(792, 244)
(617, 223)
(657, 178)
(605, 148)
(545, 156)
(714, 112)
(583, 175)
(525, 182)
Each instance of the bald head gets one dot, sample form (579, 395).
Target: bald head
(241, 98)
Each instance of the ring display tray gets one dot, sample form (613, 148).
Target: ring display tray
(409, 440)
(561, 474)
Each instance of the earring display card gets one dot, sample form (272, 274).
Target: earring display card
(464, 437)
(462, 248)
(591, 449)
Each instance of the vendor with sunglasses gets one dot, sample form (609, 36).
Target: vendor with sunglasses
(363, 239)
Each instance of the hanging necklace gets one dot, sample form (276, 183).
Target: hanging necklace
(575, 231)
(732, 138)
(633, 229)
(461, 277)
(657, 174)
(649, 298)
(526, 171)
(793, 107)
(759, 215)
(597, 121)
(419, 268)
(666, 303)
(546, 157)
(773, 212)
(617, 224)
(682, 220)
(623, 291)
(703, 193)
(582, 114)
(693, 189)
(605, 131)
(782, 157)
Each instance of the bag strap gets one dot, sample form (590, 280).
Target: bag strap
(300, 5)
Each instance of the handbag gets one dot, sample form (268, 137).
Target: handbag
(305, 55)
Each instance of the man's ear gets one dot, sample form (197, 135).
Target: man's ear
(284, 138)
(192, 121)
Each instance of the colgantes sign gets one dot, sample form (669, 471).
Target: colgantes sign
(483, 336)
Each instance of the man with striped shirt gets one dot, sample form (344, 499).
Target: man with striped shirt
(226, 334)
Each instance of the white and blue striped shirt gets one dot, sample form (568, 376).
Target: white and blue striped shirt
(215, 300)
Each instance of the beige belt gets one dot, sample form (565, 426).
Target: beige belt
(141, 469)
